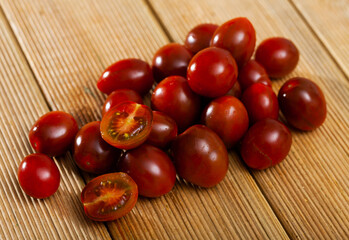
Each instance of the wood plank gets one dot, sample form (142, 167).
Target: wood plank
(330, 21)
(21, 103)
(309, 191)
(68, 43)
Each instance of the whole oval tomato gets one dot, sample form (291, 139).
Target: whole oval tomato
(91, 153)
(279, 56)
(200, 156)
(266, 144)
(150, 168)
(174, 97)
(252, 73)
(109, 196)
(227, 116)
(171, 59)
(164, 130)
(129, 73)
(53, 133)
(260, 102)
(302, 103)
(119, 96)
(127, 125)
(212, 72)
(238, 37)
(199, 37)
(38, 175)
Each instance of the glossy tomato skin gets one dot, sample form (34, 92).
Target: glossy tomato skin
(212, 72)
(199, 37)
(260, 102)
(119, 96)
(109, 196)
(279, 56)
(127, 125)
(38, 175)
(129, 73)
(91, 153)
(53, 133)
(227, 117)
(164, 130)
(172, 59)
(266, 144)
(174, 97)
(238, 37)
(151, 169)
(302, 103)
(252, 73)
(200, 156)
(235, 91)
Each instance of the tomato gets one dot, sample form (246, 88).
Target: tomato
(199, 37)
(91, 153)
(235, 91)
(279, 56)
(53, 133)
(164, 130)
(38, 175)
(129, 73)
(237, 36)
(227, 116)
(150, 168)
(266, 144)
(200, 156)
(302, 103)
(212, 72)
(119, 96)
(109, 196)
(174, 97)
(260, 102)
(127, 125)
(252, 73)
(171, 59)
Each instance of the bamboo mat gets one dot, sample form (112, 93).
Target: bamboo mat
(52, 53)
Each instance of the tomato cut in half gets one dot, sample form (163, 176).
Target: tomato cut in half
(127, 125)
(109, 196)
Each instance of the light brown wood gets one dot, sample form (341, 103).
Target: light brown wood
(309, 191)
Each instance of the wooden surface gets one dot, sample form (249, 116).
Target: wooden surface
(52, 53)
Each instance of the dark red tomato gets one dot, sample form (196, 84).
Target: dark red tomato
(199, 37)
(200, 156)
(252, 73)
(150, 168)
(109, 196)
(302, 103)
(127, 125)
(174, 97)
(91, 153)
(38, 175)
(260, 102)
(212, 72)
(237, 36)
(266, 144)
(227, 116)
(164, 130)
(119, 96)
(171, 59)
(129, 73)
(53, 133)
(279, 56)
(235, 91)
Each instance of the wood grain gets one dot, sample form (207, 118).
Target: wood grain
(309, 191)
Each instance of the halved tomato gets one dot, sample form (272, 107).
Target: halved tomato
(109, 196)
(127, 125)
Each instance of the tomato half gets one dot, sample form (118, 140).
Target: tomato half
(127, 125)
(109, 196)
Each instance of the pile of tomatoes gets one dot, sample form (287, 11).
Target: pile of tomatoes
(210, 97)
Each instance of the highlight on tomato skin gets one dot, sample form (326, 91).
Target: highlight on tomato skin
(109, 196)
